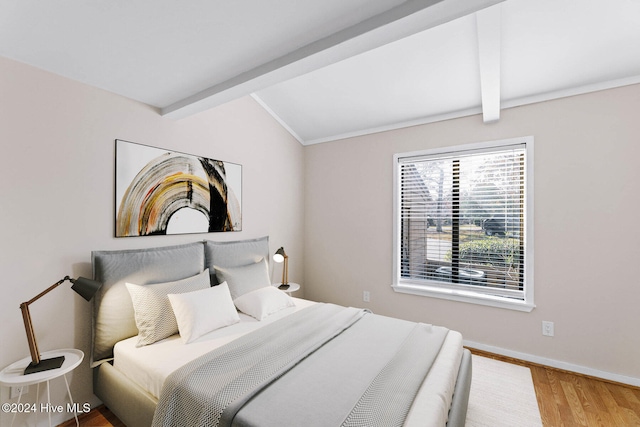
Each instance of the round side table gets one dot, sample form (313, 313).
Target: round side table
(292, 287)
(13, 376)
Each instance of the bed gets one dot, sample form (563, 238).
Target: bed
(248, 354)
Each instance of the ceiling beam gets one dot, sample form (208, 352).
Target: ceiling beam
(410, 17)
(488, 22)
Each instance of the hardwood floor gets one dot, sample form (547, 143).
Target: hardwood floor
(570, 400)
(565, 399)
(98, 417)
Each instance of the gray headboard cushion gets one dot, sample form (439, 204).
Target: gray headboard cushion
(113, 315)
(235, 254)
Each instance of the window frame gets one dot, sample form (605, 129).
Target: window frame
(442, 290)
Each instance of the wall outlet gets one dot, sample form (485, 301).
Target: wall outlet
(366, 296)
(15, 391)
(547, 328)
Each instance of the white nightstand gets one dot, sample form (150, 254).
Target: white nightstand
(292, 287)
(13, 376)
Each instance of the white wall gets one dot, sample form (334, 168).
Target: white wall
(587, 238)
(57, 197)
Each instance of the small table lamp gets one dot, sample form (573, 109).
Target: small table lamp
(278, 257)
(86, 288)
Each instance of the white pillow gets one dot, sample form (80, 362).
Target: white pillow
(246, 278)
(263, 302)
(203, 311)
(153, 314)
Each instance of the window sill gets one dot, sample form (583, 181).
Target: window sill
(464, 296)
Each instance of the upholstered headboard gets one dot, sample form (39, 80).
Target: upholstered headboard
(113, 316)
(234, 254)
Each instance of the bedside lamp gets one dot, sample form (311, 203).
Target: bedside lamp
(86, 288)
(279, 257)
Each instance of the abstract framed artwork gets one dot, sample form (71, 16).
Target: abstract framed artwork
(160, 192)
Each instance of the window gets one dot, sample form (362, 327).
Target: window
(462, 223)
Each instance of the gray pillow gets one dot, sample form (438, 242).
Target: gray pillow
(242, 280)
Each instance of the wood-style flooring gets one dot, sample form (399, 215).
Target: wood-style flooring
(565, 399)
(98, 417)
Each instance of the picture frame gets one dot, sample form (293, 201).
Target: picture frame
(163, 192)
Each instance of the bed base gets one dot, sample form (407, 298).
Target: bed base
(135, 407)
(126, 399)
(460, 402)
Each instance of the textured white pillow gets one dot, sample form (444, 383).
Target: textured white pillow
(153, 313)
(203, 311)
(263, 302)
(246, 278)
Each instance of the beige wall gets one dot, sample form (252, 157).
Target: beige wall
(57, 196)
(587, 195)
(330, 205)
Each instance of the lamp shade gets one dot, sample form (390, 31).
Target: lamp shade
(84, 287)
(279, 255)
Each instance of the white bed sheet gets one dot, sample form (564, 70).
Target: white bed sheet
(149, 366)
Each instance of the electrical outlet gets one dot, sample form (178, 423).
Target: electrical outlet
(15, 391)
(547, 328)
(366, 296)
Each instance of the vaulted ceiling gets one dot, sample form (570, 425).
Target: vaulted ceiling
(333, 68)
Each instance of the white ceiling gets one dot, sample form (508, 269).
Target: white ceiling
(333, 68)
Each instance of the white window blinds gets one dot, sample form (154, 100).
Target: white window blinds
(461, 220)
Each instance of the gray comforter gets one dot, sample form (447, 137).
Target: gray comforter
(322, 366)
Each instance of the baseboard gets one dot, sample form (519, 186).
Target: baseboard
(555, 364)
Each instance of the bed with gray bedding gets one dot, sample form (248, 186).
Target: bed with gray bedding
(323, 365)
